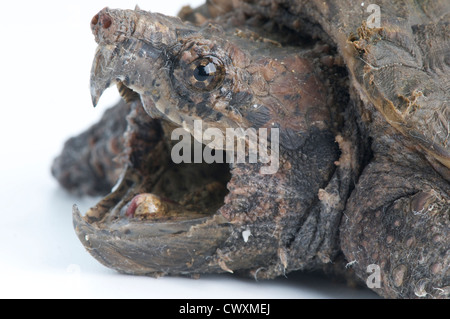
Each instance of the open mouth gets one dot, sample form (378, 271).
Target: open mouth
(159, 190)
(183, 191)
(162, 190)
(161, 217)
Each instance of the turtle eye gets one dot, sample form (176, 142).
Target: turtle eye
(205, 74)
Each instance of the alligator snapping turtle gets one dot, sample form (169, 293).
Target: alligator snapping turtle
(359, 99)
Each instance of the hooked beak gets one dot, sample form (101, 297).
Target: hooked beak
(113, 65)
(103, 73)
(129, 40)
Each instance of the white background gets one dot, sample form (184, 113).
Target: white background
(46, 49)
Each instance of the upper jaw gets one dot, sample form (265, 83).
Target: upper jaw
(130, 40)
(116, 64)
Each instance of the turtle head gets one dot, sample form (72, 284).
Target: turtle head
(163, 218)
(181, 219)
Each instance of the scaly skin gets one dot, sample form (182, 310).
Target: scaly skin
(398, 215)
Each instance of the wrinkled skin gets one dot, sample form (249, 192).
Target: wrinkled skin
(364, 156)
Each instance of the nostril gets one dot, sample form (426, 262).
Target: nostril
(94, 20)
(106, 21)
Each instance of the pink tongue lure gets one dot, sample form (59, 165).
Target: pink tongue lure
(146, 204)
